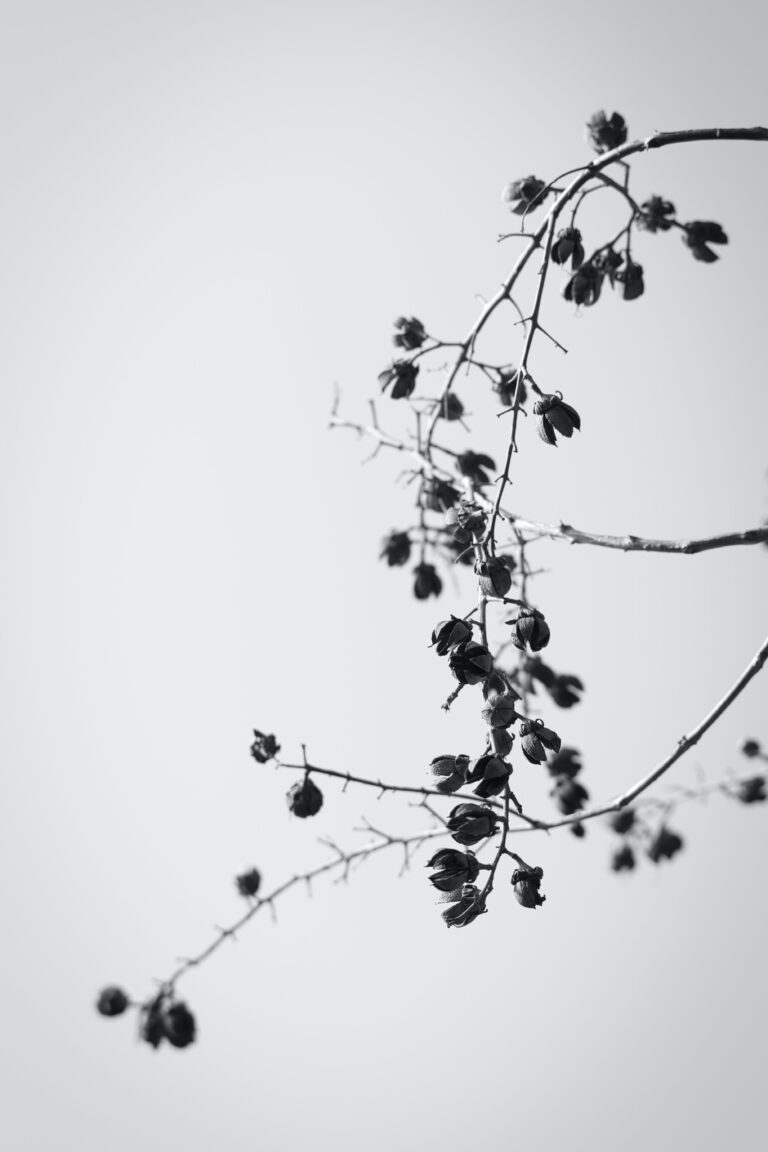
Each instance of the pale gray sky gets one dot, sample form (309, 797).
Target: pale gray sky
(209, 213)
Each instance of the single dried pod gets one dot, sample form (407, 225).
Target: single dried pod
(530, 631)
(473, 465)
(535, 739)
(607, 262)
(396, 549)
(305, 798)
(565, 690)
(426, 581)
(654, 215)
(450, 407)
(751, 749)
(623, 859)
(510, 388)
(451, 770)
(466, 520)
(585, 285)
(248, 882)
(526, 883)
(500, 712)
(622, 821)
(153, 1022)
(524, 195)
(453, 869)
(570, 796)
(554, 415)
(664, 845)
(501, 741)
(470, 823)
(535, 671)
(439, 495)
(605, 133)
(492, 773)
(493, 576)
(179, 1026)
(497, 684)
(699, 234)
(567, 246)
(578, 830)
(466, 909)
(470, 662)
(409, 333)
(566, 762)
(752, 791)
(448, 633)
(264, 747)
(631, 276)
(112, 1001)
(400, 377)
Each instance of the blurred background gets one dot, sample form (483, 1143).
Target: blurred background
(210, 213)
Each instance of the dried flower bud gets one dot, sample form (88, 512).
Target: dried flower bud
(535, 738)
(496, 684)
(493, 774)
(701, 233)
(153, 1022)
(555, 415)
(473, 465)
(450, 407)
(471, 823)
(622, 821)
(500, 712)
(566, 762)
(751, 748)
(248, 882)
(454, 869)
(179, 1025)
(584, 285)
(467, 909)
(112, 1001)
(524, 195)
(439, 495)
(631, 276)
(569, 795)
(426, 581)
(396, 549)
(567, 246)
(466, 520)
(401, 375)
(470, 662)
(578, 830)
(452, 771)
(494, 577)
(535, 671)
(449, 633)
(264, 748)
(409, 333)
(530, 631)
(605, 133)
(623, 859)
(664, 845)
(565, 690)
(502, 741)
(304, 798)
(752, 791)
(526, 882)
(510, 387)
(654, 215)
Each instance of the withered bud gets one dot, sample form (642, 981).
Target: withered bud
(524, 195)
(751, 749)
(401, 376)
(466, 520)
(450, 407)
(654, 215)
(623, 859)
(112, 1001)
(264, 748)
(501, 741)
(567, 246)
(584, 285)
(409, 334)
(470, 662)
(466, 909)
(451, 770)
(493, 576)
(248, 882)
(622, 821)
(526, 882)
(664, 845)
(396, 549)
(439, 495)
(500, 712)
(470, 823)
(179, 1025)
(453, 869)
(304, 798)
(505, 386)
(426, 581)
(554, 415)
(535, 738)
(605, 133)
(448, 633)
(631, 276)
(566, 762)
(530, 631)
(496, 685)
(752, 791)
(699, 234)
(565, 690)
(578, 830)
(473, 465)
(492, 773)
(569, 795)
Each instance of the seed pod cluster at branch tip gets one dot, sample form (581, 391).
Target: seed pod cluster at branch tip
(264, 748)
(470, 823)
(396, 549)
(605, 133)
(453, 869)
(535, 739)
(112, 1001)
(400, 377)
(448, 633)
(409, 333)
(699, 234)
(166, 1019)
(526, 883)
(493, 576)
(664, 845)
(530, 631)
(248, 882)
(524, 195)
(470, 662)
(473, 465)
(567, 246)
(656, 214)
(304, 798)
(554, 415)
(426, 581)
(451, 770)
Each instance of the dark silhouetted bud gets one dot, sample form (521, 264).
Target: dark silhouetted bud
(578, 830)
(524, 195)
(751, 748)
(264, 748)
(473, 465)
(466, 520)
(305, 798)
(569, 795)
(530, 631)
(153, 1022)
(500, 712)
(567, 246)
(664, 845)
(605, 133)
(439, 495)
(536, 671)
(505, 387)
(699, 234)
(470, 823)
(179, 1025)
(467, 909)
(409, 333)
(470, 662)
(565, 690)
(401, 375)
(501, 741)
(396, 549)
(535, 738)
(566, 762)
(554, 415)
(493, 576)
(492, 773)
(631, 276)
(453, 869)
(584, 285)
(451, 770)
(496, 685)
(449, 633)
(607, 263)
(426, 581)
(112, 1001)
(526, 883)
(623, 821)
(451, 408)
(247, 883)
(654, 215)
(623, 859)
(752, 791)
